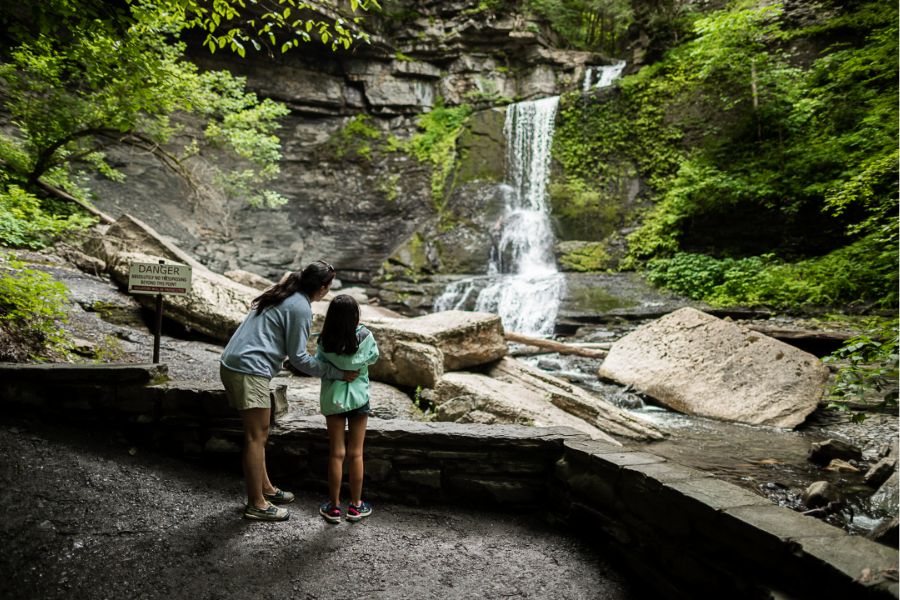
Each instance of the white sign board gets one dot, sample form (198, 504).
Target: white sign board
(155, 278)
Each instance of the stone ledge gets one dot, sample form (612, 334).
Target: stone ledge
(700, 535)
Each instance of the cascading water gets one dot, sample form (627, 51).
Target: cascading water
(522, 284)
(601, 77)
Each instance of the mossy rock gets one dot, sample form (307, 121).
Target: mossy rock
(583, 257)
(482, 148)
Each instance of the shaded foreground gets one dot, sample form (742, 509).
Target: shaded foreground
(88, 516)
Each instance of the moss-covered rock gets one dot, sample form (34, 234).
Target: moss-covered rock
(583, 256)
(482, 147)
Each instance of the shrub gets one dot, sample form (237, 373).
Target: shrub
(869, 368)
(25, 224)
(32, 309)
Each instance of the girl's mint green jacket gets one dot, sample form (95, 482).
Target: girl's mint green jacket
(336, 395)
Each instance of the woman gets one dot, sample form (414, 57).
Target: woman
(276, 328)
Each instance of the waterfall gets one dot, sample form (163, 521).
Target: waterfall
(522, 284)
(601, 77)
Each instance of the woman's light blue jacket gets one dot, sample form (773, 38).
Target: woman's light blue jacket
(336, 395)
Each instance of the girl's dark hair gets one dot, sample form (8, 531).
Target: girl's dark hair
(339, 331)
(308, 281)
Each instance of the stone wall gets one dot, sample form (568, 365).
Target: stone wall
(686, 534)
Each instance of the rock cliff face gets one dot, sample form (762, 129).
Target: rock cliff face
(352, 200)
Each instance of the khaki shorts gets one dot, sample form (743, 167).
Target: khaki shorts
(245, 391)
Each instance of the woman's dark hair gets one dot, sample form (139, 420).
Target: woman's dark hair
(339, 331)
(308, 281)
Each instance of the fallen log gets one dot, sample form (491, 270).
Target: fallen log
(554, 346)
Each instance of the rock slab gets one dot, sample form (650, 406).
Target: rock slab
(695, 363)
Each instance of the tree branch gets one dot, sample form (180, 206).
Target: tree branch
(63, 195)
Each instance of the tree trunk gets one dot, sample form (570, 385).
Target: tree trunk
(554, 346)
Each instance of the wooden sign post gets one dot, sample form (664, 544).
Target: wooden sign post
(159, 278)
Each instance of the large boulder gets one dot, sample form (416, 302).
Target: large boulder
(215, 306)
(466, 339)
(695, 363)
(405, 363)
(574, 400)
(416, 352)
(466, 397)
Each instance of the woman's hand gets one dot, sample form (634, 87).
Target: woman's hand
(350, 375)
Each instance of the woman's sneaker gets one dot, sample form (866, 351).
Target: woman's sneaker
(357, 512)
(330, 512)
(279, 497)
(270, 513)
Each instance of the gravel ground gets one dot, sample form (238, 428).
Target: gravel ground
(90, 517)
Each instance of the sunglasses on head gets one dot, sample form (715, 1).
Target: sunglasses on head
(328, 266)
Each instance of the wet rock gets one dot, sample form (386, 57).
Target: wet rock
(406, 363)
(387, 402)
(506, 402)
(819, 494)
(839, 465)
(464, 339)
(822, 453)
(575, 400)
(879, 472)
(887, 532)
(221, 446)
(886, 500)
(695, 363)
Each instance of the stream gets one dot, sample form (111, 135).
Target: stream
(769, 461)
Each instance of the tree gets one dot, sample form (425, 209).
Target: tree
(79, 76)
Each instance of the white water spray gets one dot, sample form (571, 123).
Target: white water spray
(601, 77)
(523, 285)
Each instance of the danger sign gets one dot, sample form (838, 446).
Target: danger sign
(156, 278)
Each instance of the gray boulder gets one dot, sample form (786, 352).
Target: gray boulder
(467, 397)
(214, 307)
(695, 363)
(465, 339)
(574, 400)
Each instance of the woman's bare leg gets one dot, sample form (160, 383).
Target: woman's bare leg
(256, 432)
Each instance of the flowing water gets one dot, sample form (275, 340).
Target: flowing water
(600, 77)
(769, 461)
(522, 284)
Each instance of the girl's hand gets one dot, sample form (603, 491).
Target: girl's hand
(350, 375)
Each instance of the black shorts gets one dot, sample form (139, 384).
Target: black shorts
(365, 409)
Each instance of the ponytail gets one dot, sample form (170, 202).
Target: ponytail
(308, 281)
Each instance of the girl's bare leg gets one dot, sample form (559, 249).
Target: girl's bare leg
(336, 456)
(355, 467)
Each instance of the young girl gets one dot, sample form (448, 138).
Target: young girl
(348, 346)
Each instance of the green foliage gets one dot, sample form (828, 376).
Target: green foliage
(748, 151)
(355, 137)
(282, 26)
(867, 367)
(597, 25)
(73, 97)
(586, 258)
(435, 143)
(862, 274)
(32, 309)
(389, 185)
(25, 224)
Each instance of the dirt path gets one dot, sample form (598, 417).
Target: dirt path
(89, 516)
